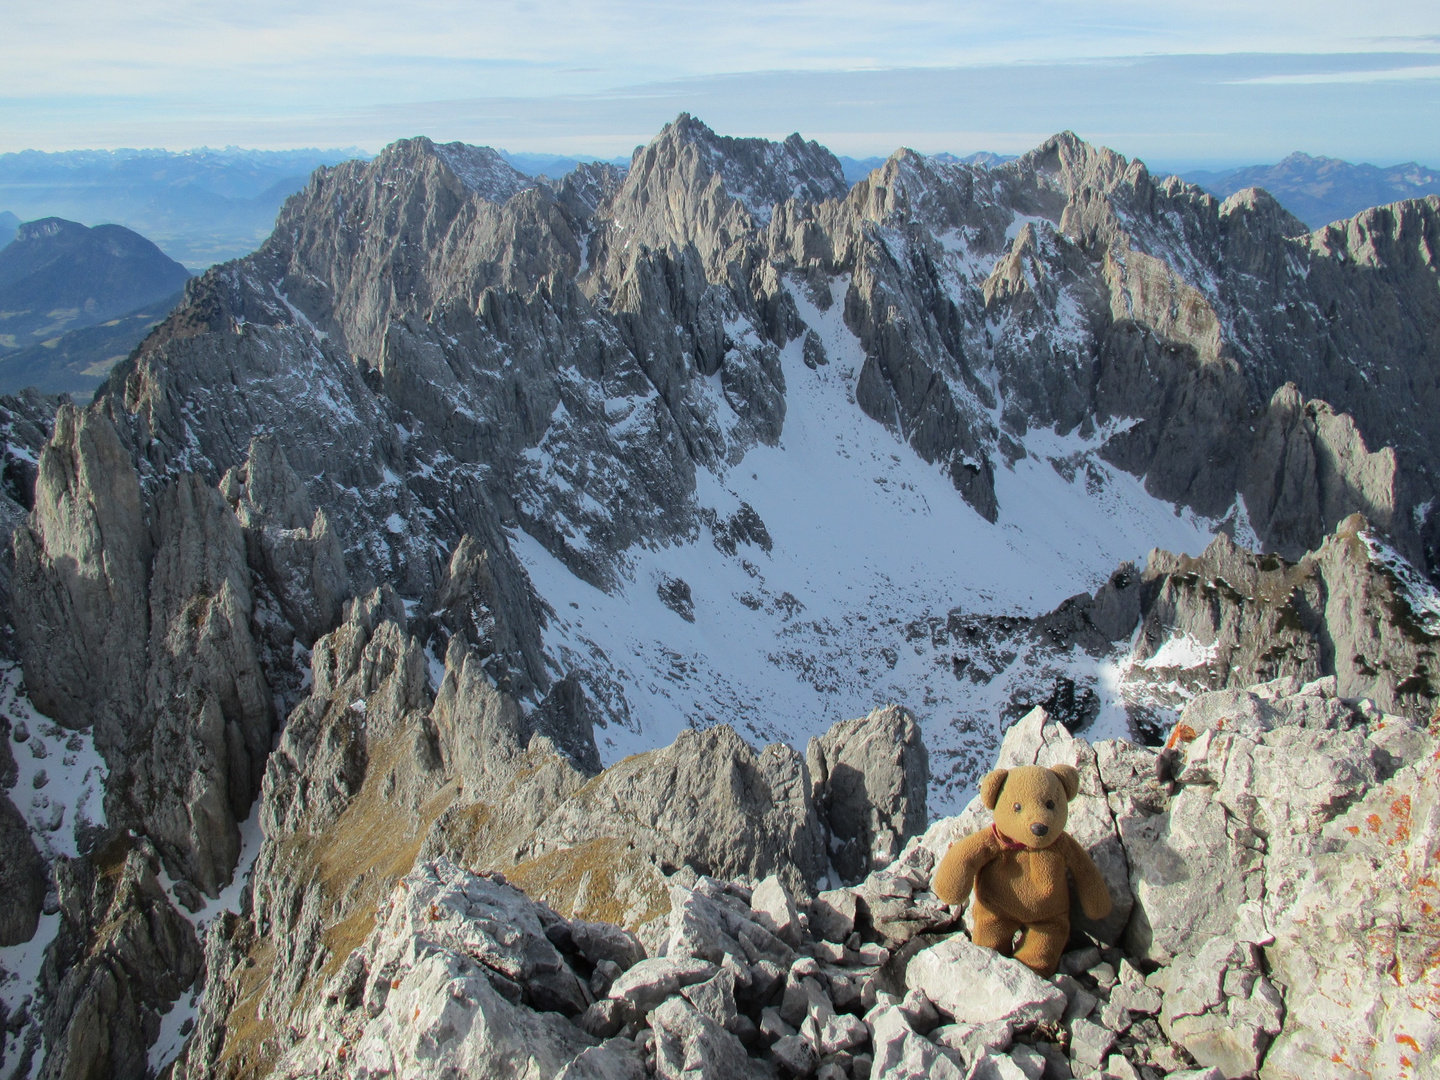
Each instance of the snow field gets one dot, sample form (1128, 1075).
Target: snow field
(868, 541)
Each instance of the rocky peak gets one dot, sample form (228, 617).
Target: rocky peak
(588, 185)
(1074, 165)
(690, 188)
(1265, 211)
(483, 171)
(756, 172)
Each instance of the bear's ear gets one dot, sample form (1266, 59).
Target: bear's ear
(990, 787)
(1069, 780)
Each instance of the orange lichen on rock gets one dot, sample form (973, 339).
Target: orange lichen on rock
(1182, 733)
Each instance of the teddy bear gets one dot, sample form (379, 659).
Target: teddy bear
(1017, 867)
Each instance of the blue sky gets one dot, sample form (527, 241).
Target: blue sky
(1181, 83)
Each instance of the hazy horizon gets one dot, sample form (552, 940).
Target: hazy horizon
(1217, 165)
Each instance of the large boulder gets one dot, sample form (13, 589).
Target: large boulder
(975, 985)
(652, 981)
(1262, 771)
(902, 1054)
(689, 1045)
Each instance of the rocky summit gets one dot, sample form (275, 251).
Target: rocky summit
(506, 627)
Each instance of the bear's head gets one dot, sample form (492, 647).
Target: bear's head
(1031, 803)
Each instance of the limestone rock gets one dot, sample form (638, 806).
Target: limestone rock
(446, 1016)
(975, 985)
(22, 877)
(870, 778)
(832, 916)
(690, 1045)
(441, 906)
(774, 909)
(1221, 1008)
(651, 981)
(293, 545)
(81, 567)
(123, 954)
(598, 942)
(901, 1053)
(615, 1059)
(708, 801)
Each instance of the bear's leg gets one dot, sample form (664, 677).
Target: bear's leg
(1042, 945)
(993, 930)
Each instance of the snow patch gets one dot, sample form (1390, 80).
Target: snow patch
(1183, 652)
(60, 792)
(870, 547)
(1423, 598)
(61, 785)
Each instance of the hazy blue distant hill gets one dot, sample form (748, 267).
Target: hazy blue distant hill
(77, 361)
(57, 276)
(200, 206)
(8, 224)
(1319, 190)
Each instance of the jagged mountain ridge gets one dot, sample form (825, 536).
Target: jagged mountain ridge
(474, 318)
(494, 407)
(420, 282)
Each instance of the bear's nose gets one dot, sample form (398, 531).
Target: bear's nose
(1039, 828)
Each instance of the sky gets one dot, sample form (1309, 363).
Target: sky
(1196, 83)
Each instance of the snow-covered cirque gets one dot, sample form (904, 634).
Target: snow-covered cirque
(869, 541)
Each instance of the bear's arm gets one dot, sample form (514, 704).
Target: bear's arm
(1094, 893)
(955, 877)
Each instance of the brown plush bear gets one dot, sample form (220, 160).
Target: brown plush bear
(1017, 867)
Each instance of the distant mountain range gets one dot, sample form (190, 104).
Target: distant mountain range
(59, 279)
(554, 165)
(1319, 190)
(200, 206)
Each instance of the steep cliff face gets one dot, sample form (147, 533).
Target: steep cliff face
(471, 486)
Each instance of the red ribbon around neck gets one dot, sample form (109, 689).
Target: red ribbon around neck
(1005, 842)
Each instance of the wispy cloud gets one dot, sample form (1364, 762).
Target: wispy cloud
(593, 74)
(1321, 78)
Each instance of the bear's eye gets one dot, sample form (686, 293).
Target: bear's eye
(1017, 808)
(1049, 804)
